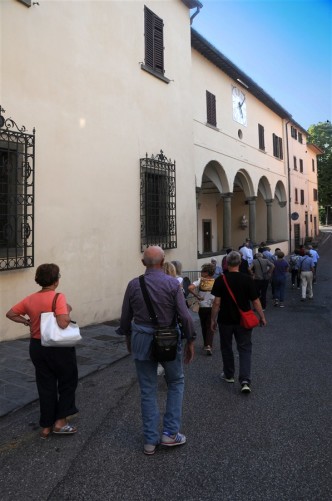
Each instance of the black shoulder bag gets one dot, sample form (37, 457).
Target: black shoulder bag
(165, 339)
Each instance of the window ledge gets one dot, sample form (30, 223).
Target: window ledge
(155, 73)
(27, 3)
(214, 127)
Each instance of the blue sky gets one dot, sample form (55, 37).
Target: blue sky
(285, 46)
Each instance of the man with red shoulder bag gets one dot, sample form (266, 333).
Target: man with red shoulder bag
(230, 298)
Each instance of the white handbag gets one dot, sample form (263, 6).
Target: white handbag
(53, 335)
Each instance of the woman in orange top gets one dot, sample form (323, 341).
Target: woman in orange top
(55, 367)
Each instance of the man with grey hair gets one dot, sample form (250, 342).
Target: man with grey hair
(315, 256)
(136, 324)
(226, 313)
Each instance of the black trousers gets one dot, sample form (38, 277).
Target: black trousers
(56, 378)
(205, 319)
(261, 287)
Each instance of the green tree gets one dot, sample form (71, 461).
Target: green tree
(321, 135)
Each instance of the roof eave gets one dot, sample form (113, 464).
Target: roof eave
(192, 4)
(316, 149)
(210, 52)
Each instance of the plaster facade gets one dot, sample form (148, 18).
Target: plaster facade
(73, 71)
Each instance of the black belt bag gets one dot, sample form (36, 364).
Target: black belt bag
(165, 339)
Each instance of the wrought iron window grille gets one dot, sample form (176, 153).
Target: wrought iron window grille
(158, 202)
(17, 171)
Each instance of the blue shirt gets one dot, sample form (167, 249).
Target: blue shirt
(306, 263)
(168, 301)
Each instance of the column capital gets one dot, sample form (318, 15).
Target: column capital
(226, 195)
(269, 201)
(251, 199)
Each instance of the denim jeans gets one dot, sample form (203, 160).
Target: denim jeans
(279, 288)
(243, 342)
(148, 381)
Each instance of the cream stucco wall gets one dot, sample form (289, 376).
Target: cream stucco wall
(306, 181)
(225, 158)
(72, 71)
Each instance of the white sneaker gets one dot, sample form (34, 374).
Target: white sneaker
(171, 440)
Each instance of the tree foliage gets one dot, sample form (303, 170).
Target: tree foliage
(321, 135)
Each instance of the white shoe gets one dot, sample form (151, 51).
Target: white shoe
(160, 370)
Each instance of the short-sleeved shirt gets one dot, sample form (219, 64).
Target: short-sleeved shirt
(315, 256)
(280, 268)
(244, 290)
(37, 303)
(306, 263)
(204, 286)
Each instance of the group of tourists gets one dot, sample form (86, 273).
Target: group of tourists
(222, 293)
(267, 268)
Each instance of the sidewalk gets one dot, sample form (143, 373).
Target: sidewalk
(100, 347)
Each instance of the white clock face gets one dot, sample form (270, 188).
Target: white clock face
(239, 106)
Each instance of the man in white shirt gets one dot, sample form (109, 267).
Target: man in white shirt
(247, 253)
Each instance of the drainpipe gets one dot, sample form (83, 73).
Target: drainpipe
(194, 15)
(289, 195)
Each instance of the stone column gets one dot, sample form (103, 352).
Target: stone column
(227, 220)
(269, 219)
(252, 218)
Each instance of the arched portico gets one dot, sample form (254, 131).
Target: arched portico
(225, 217)
(213, 209)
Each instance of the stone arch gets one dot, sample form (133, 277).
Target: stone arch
(211, 189)
(214, 173)
(264, 187)
(243, 182)
(280, 193)
(279, 212)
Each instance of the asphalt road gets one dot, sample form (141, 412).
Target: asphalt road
(274, 444)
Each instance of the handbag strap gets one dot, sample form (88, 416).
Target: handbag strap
(230, 292)
(54, 301)
(147, 299)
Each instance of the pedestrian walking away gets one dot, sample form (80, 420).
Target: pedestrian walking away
(315, 256)
(306, 270)
(262, 269)
(204, 285)
(217, 268)
(226, 315)
(294, 262)
(55, 367)
(279, 278)
(137, 325)
(247, 252)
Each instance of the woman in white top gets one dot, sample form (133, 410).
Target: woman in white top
(204, 285)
